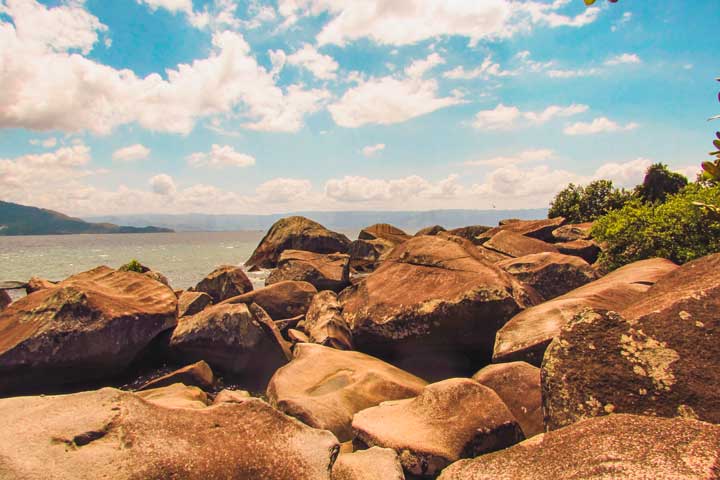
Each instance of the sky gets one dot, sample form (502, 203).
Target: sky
(225, 106)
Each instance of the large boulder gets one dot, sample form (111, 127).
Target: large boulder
(135, 266)
(433, 307)
(610, 448)
(383, 231)
(323, 271)
(518, 385)
(90, 326)
(453, 419)
(588, 250)
(572, 232)
(515, 245)
(225, 282)
(526, 336)
(325, 324)
(485, 254)
(5, 300)
(470, 233)
(365, 255)
(176, 395)
(118, 435)
(190, 303)
(325, 387)
(36, 284)
(550, 274)
(372, 464)
(198, 374)
(659, 356)
(431, 230)
(296, 233)
(280, 300)
(235, 338)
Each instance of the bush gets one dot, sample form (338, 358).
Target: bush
(133, 266)
(660, 182)
(580, 204)
(677, 230)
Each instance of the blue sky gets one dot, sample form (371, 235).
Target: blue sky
(221, 106)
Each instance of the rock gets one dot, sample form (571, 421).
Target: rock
(518, 385)
(588, 250)
(572, 232)
(659, 356)
(453, 419)
(516, 245)
(225, 282)
(371, 464)
(324, 387)
(176, 395)
(433, 230)
(526, 336)
(117, 435)
(5, 300)
(90, 326)
(487, 255)
(297, 336)
(383, 231)
(550, 274)
(234, 338)
(433, 307)
(36, 284)
(323, 271)
(198, 375)
(231, 396)
(365, 255)
(539, 229)
(136, 266)
(280, 300)
(190, 303)
(325, 324)
(470, 233)
(296, 233)
(609, 448)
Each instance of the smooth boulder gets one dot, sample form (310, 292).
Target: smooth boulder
(470, 233)
(36, 284)
(280, 300)
(609, 448)
(515, 245)
(453, 419)
(372, 464)
(588, 250)
(225, 282)
(295, 233)
(198, 374)
(324, 387)
(539, 229)
(526, 336)
(5, 300)
(572, 232)
(119, 435)
(383, 231)
(325, 324)
(366, 255)
(323, 271)
(431, 230)
(90, 326)
(190, 303)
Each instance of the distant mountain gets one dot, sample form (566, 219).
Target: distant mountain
(22, 220)
(409, 221)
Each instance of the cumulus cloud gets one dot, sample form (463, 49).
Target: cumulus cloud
(220, 156)
(283, 190)
(163, 184)
(371, 150)
(526, 156)
(376, 191)
(598, 125)
(506, 117)
(486, 70)
(322, 66)
(47, 143)
(626, 174)
(131, 153)
(623, 59)
(418, 68)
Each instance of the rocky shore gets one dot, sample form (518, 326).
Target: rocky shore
(470, 354)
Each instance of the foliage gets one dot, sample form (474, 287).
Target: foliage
(675, 229)
(711, 169)
(133, 266)
(660, 182)
(580, 204)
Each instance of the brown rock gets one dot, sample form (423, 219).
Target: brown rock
(660, 356)
(433, 307)
(432, 230)
(325, 387)
(609, 448)
(550, 274)
(371, 464)
(298, 336)
(36, 284)
(526, 336)
(231, 396)
(5, 300)
(190, 303)
(453, 419)
(588, 250)
(572, 232)
(238, 339)
(480, 252)
(518, 385)
(365, 255)
(470, 233)
(176, 395)
(197, 375)
(225, 282)
(516, 245)
(92, 325)
(325, 324)
(383, 231)
(147, 271)
(539, 229)
(323, 271)
(118, 435)
(296, 233)
(280, 300)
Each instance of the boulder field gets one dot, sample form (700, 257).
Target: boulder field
(461, 354)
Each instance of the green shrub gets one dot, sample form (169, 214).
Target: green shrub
(660, 182)
(580, 204)
(677, 230)
(133, 266)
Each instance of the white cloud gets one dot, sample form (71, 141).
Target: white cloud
(505, 118)
(623, 59)
(131, 153)
(487, 69)
(599, 125)
(163, 184)
(388, 100)
(322, 66)
(283, 190)
(569, 73)
(545, 13)
(511, 181)
(418, 68)
(626, 174)
(371, 150)
(526, 156)
(278, 59)
(185, 6)
(220, 156)
(47, 143)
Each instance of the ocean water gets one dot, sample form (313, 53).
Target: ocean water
(184, 257)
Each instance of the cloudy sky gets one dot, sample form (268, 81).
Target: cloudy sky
(265, 106)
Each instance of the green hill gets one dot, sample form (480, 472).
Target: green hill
(22, 220)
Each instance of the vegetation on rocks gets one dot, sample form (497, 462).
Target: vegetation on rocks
(580, 204)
